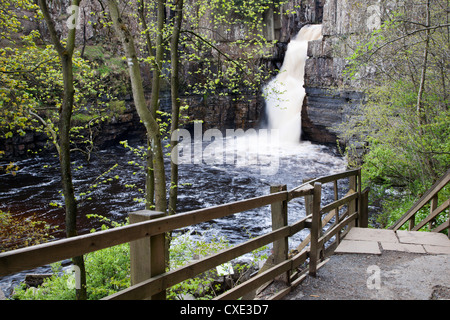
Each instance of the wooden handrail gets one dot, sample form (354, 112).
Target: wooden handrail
(427, 197)
(326, 179)
(432, 215)
(36, 256)
(31, 257)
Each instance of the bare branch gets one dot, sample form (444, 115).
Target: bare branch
(407, 35)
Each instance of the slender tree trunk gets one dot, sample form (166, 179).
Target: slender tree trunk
(175, 87)
(66, 170)
(65, 55)
(146, 116)
(419, 106)
(421, 113)
(156, 85)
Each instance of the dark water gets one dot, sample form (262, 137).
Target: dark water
(37, 184)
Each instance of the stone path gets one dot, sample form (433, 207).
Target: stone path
(373, 241)
(375, 264)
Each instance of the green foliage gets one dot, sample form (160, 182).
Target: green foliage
(109, 68)
(222, 43)
(396, 203)
(19, 231)
(107, 272)
(404, 127)
(53, 288)
(31, 93)
(399, 151)
(248, 10)
(10, 21)
(31, 86)
(185, 249)
(9, 168)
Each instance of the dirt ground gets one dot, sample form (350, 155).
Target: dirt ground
(391, 276)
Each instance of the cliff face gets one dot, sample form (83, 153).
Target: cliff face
(215, 110)
(330, 99)
(280, 25)
(326, 105)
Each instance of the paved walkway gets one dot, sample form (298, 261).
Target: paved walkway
(375, 264)
(374, 241)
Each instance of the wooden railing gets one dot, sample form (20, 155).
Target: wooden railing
(148, 277)
(430, 197)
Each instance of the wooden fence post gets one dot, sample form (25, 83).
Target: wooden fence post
(433, 206)
(412, 222)
(279, 220)
(336, 211)
(147, 255)
(353, 205)
(363, 220)
(308, 200)
(316, 226)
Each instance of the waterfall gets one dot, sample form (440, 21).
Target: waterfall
(285, 93)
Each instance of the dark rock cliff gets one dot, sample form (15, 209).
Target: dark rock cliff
(330, 98)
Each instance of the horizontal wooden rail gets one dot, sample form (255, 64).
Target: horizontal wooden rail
(264, 277)
(337, 176)
(301, 191)
(443, 226)
(307, 187)
(36, 256)
(432, 215)
(339, 203)
(161, 282)
(427, 197)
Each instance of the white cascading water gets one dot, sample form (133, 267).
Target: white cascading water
(284, 95)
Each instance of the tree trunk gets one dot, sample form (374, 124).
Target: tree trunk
(65, 56)
(175, 87)
(421, 114)
(154, 100)
(419, 107)
(66, 171)
(145, 115)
